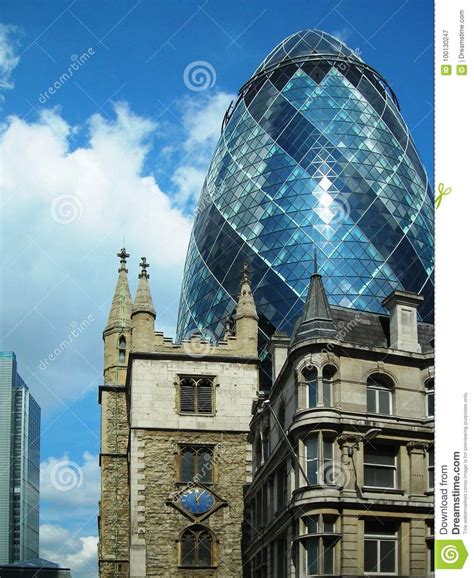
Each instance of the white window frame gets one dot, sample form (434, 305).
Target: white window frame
(319, 535)
(321, 459)
(382, 538)
(394, 469)
(306, 384)
(378, 389)
(429, 392)
(320, 382)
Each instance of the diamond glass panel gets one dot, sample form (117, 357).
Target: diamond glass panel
(317, 155)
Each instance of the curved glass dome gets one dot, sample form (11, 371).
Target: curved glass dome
(303, 44)
(314, 155)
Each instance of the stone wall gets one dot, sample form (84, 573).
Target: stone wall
(114, 504)
(162, 524)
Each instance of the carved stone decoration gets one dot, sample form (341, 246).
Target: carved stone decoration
(418, 447)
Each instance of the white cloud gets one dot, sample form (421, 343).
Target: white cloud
(202, 119)
(65, 212)
(66, 208)
(188, 180)
(79, 553)
(65, 483)
(344, 34)
(104, 178)
(9, 57)
(69, 497)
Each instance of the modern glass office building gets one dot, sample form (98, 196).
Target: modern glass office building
(20, 419)
(314, 154)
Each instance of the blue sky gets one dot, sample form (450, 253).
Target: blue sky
(120, 150)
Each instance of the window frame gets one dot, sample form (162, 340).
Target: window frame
(197, 530)
(327, 384)
(321, 459)
(196, 448)
(380, 537)
(196, 379)
(393, 467)
(385, 384)
(429, 398)
(122, 348)
(430, 562)
(311, 386)
(318, 388)
(326, 540)
(430, 469)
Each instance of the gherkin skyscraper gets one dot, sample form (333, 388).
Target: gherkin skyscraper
(314, 155)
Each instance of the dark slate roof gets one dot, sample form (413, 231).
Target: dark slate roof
(317, 319)
(373, 330)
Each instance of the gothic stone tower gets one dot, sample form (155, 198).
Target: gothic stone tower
(114, 505)
(175, 456)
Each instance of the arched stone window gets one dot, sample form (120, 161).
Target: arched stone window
(197, 547)
(310, 380)
(380, 394)
(329, 371)
(196, 463)
(196, 395)
(122, 348)
(430, 397)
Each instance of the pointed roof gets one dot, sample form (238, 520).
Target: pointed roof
(121, 308)
(143, 302)
(245, 304)
(317, 320)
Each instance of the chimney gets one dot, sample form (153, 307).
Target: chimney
(278, 346)
(402, 307)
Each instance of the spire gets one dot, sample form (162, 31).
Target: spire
(121, 308)
(246, 318)
(317, 318)
(143, 302)
(245, 304)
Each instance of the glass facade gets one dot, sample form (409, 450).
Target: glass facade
(314, 154)
(20, 419)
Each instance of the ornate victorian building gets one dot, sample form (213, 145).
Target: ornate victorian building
(330, 473)
(343, 446)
